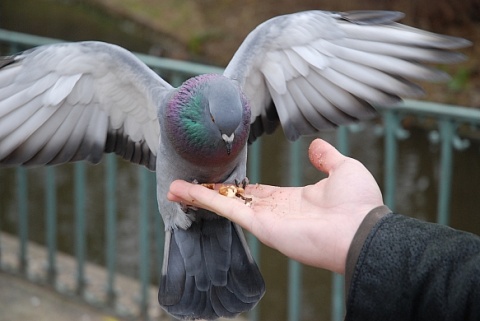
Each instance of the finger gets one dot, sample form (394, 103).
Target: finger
(200, 196)
(255, 190)
(324, 156)
(191, 194)
(174, 198)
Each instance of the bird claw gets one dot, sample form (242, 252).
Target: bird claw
(209, 185)
(186, 207)
(243, 183)
(231, 190)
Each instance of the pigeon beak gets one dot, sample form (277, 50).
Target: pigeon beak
(228, 142)
(229, 147)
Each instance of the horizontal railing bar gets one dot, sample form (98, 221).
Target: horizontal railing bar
(185, 67)
(166, 64)
(432, 109)
(9, 36)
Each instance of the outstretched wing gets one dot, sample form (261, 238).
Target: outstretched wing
(74, 101)
(315, 70)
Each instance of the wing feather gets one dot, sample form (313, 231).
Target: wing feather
(404, 52)
(88, 143)
(321, 69)
(59, 103)
(23, 127)
(83, 93)
(74, 136)
(402, 34)
(8, 75)
(275, 76)
(306, 97)
(370, 77)
(27, 152)
(57, 144)
(298, 62)
(311, 57)
(387, 64)
(289, 115)
(60, 90)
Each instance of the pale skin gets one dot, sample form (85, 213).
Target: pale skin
(313, 224)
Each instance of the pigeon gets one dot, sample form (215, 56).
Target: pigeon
(306, 72)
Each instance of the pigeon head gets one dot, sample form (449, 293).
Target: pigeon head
(208, 119)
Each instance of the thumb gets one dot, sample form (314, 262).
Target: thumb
(324, 156)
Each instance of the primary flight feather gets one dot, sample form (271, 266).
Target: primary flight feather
(306, 71)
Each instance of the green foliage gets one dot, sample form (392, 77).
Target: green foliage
(460, 79)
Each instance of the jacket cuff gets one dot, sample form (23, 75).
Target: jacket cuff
(361, 235)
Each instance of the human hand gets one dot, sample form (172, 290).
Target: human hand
(314, 224)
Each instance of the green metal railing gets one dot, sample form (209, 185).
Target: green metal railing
(447, 121)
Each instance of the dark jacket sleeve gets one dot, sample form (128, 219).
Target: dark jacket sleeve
(400, 268)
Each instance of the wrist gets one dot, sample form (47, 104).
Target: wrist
(370, 220)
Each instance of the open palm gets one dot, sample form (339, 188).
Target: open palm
(314, 224)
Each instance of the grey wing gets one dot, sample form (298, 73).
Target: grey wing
(316, 70)
(74, 101)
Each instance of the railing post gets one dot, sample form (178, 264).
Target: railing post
(1, 252)
(390, 121)
(338, 281)
(80, 228)
(22, 201)
(254, 163)
(111, 226)
(343, 143)
(144, 223)
(51, 223)
(338, 297)
(447, 131)
(159, 230)
(294, 267)
(253, 173)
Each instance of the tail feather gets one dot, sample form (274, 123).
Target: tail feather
(232, 301)
(189, 245)
(226, 303)
(243, 268)
(215, 277)
(189, 306)
(216, 250)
